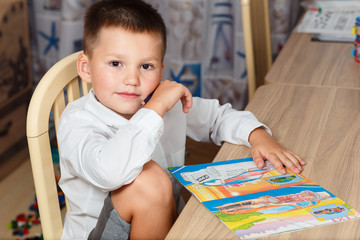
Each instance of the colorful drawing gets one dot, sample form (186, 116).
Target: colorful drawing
(285, 179)
(225, 174)
(331, 211)
(276, 204)
(218, 180)
(256, 202)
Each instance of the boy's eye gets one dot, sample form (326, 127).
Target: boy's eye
(115, 64)
(146, 66)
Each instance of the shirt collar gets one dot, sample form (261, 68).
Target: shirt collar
(108, 116)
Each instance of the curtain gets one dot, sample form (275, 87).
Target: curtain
(205, 41)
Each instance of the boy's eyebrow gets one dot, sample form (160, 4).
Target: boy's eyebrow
(145, 59)
(151, 59)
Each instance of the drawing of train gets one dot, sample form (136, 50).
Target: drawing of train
(284, 179)
(277, 204)
(330, 211)
(225, 174)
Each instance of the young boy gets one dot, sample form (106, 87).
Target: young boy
(115, 146)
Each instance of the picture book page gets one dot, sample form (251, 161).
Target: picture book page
(255, 202)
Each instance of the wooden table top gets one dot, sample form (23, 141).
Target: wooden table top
(307, 62)
(321, 124)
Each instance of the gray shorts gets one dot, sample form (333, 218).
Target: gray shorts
(110, 225)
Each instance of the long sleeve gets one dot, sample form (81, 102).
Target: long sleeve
(107, 156)
(210, 121)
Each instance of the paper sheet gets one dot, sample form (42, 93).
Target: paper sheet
(329, 22)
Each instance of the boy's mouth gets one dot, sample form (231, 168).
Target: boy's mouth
(128, 95)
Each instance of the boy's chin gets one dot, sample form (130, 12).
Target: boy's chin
(128, 112)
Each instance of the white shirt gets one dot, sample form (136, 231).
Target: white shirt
(102, 151)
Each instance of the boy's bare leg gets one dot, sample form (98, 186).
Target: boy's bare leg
(148, 203)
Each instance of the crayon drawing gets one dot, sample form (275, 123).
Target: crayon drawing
(256, 202)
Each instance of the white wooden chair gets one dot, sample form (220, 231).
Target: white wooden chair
(49, 94)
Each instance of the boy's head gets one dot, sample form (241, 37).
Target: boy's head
(124, 47)
(131, 15)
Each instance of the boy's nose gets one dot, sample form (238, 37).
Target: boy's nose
(132, 77)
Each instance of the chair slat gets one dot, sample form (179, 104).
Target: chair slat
(85, 87)
(73, 90)
(45, 186)
(58, 107)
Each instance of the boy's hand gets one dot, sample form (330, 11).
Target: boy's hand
(264, 147)
(167, 94)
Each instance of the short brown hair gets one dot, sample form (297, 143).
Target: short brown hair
(131, 15)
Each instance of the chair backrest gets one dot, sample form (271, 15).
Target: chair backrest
(49, 95)
(257, 41)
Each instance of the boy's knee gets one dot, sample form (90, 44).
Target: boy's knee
(151, 188)
(154, 185)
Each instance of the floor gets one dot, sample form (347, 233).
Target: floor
(18, 194)
(17, 187)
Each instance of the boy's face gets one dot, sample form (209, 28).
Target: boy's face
(124, 68)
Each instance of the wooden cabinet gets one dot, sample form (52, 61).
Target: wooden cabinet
(15, 76)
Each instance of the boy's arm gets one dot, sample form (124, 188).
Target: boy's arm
(264, 147)
(166, 95)
(104, 158)
(209, 121)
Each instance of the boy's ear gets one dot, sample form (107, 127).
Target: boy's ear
(83, 67)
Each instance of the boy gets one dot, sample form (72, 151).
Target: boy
(115, 146)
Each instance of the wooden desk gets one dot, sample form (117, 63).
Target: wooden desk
(320, 124)
(305, 62)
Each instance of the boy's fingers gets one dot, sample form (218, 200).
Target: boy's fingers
(301, 161)
(294, 167)
(277, 162)
(296, 160)
(257, 158)
(188, 97)
(186, 101)
(291, 162)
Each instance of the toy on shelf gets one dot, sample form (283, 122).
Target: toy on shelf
(356, 31)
